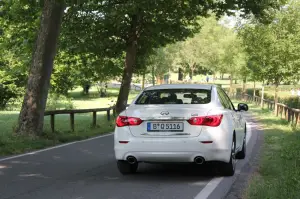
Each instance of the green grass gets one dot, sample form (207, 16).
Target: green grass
(278, 175)
(14, 144)
(93, 100)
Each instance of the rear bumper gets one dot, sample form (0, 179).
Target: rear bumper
(172, 150)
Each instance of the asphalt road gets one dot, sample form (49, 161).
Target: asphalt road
(87, 170)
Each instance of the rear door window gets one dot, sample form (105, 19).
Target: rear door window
(227, 99)
(223, 98)
(175, 96)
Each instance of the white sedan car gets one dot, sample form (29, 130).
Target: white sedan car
(180, 124)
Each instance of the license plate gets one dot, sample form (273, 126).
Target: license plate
(165, 126)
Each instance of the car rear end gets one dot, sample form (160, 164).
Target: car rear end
(161, 127)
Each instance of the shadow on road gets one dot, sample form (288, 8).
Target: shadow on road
(173, 172)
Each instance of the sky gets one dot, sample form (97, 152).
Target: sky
(230, 21)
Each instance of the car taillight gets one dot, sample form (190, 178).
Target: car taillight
(128, 121)
(211, 120)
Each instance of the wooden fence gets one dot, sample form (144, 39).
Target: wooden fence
(73, 112)
(292, 115)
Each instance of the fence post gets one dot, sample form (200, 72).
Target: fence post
(52, 122)
(277, 112)
(72, 122)
(108, 114)
(94, 119)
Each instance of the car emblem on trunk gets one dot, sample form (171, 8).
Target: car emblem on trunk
(164, 113)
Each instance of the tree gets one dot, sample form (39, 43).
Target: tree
(17, 29)
(215, 48)
(32, 114)
(273, 49)
(138, 24)
(159, 63)
(109, 28)
(234, 59)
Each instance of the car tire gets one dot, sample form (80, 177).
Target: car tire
(126, 168)
(242, 154)
(228, 169)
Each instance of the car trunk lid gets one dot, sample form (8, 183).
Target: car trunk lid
(166, 120)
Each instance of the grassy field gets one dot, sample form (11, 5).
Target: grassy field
(13, 144)
(278, 175)
(94, 101)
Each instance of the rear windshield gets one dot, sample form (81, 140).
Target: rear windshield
(175, 96)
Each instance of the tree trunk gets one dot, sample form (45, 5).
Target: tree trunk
(222, 76)
(153, 76)
(180, 74)
(254, 89)
(191, 75)
(31, 118)
(143, 80)
(231, 84)
(192, 71)
(276, 96)
(262, 96)
(130, 59)
(244, 85)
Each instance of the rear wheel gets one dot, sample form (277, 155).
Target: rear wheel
(126, 168)
(228, 169)
(242, 154)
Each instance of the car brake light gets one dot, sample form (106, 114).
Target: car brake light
(211, 120)
(128, 121)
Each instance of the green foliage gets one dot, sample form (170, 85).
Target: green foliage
(273, 49)
(56, 102)
(94, 35)
(9, 91)
(214, 49)
(160, 61)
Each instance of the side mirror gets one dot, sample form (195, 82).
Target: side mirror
(243, 107)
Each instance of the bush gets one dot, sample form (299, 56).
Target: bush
(293, 102)
(56, 102)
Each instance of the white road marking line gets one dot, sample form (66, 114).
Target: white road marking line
(209, 188)
(54, 147)
(212, 185)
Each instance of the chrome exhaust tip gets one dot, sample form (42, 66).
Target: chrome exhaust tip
(199, 160)
(131, 160)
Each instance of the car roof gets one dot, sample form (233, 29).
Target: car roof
(181, 86)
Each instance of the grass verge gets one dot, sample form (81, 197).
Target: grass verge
(278, 174)
(15, 144)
